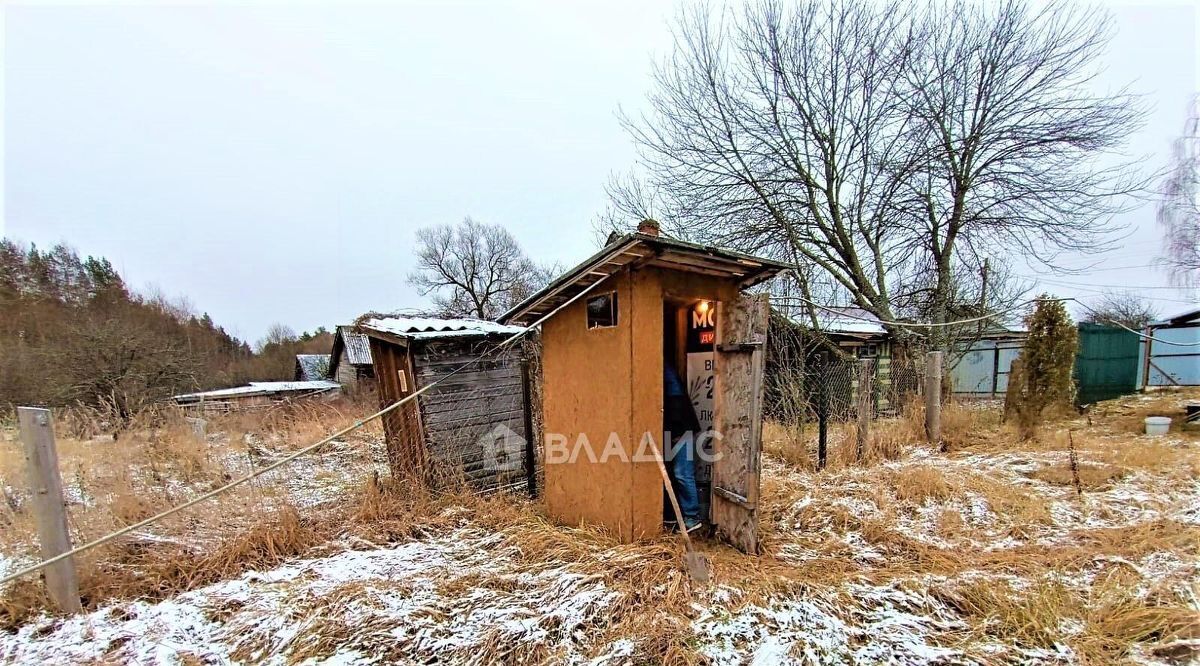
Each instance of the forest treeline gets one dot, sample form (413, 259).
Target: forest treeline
(72, 332)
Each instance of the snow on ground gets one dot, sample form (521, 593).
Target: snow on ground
(456, 596)
(469, 595)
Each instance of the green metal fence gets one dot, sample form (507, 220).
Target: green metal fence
(1107, 362)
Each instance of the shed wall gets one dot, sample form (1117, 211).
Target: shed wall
(607, 381)
(587, 397)
(1170, 364)
(474, 420)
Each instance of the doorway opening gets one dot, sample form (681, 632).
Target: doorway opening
(689, 336)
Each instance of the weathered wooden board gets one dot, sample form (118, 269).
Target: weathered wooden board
(461, 414)
(742, 334)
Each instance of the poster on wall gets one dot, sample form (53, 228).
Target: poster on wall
(701, 333)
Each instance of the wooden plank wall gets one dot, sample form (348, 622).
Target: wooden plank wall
(474, 420)
(401, 426)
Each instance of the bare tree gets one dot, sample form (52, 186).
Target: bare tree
(474, 269)
(1179, 209)
(885, 146)
(1122, 308)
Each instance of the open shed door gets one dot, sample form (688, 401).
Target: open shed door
(740, 351)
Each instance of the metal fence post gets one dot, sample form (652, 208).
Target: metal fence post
(865, 375)
(933, 396)
(822, 410)
(45, 484)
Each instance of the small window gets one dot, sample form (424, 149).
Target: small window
(602, 311)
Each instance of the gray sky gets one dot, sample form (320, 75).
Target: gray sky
(272, 163)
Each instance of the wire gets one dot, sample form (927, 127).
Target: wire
(1137, 333)
(911, 323)
(280, 463)
(904, 324)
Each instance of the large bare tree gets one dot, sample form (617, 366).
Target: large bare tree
(885, 148)
(1179, 209)
(474, 269)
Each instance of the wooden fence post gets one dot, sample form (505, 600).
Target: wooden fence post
(866, 373)
(45, 485)
(527, 413)
(933, 396)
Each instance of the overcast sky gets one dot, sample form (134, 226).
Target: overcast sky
(272, 163)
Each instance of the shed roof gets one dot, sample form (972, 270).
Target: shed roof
(1184, 317)
(311, 367)
(427, 328)
(848, 320)
(638, 249)
(358, 349)
(260, 388)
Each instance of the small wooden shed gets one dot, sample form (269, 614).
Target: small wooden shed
(350, 360)
(471, 426)
(650, 301)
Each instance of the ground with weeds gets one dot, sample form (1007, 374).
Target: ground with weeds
(992, 550)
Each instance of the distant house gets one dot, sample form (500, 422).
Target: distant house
(255, 395)
(978, 368)
(350, 360)
(311, 367)
(1172, 356)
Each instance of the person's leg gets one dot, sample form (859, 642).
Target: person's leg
(683, 477)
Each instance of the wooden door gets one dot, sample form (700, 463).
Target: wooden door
(740, 349)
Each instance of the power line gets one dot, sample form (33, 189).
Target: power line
(907, 324)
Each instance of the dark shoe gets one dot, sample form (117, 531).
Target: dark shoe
(692, 525)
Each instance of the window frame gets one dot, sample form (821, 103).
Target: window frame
(614, 311)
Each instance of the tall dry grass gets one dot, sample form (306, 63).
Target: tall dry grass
(160, 460)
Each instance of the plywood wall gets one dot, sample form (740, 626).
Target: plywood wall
(586, 392)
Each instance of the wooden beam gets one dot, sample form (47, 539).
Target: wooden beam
(45, 485)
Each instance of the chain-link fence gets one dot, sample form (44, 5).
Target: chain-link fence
(817, 383)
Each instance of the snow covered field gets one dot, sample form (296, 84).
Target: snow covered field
(985, 554)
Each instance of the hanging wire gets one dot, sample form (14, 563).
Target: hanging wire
(304, 451)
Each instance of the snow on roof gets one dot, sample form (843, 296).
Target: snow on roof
(849, 320)
(358, 347)
(424, 328)
(257, 388)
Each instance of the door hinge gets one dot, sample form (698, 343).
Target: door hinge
(739, 347)
(730, 496)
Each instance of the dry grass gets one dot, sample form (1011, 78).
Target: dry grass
(1015, 573)
(159, 461)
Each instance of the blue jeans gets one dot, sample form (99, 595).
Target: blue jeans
(682, 468)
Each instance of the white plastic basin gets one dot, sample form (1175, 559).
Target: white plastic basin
(1157, 425)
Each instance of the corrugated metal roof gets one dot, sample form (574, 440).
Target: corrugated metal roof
(423, 328)
(257, 388)
(312, 367)
(358, 347)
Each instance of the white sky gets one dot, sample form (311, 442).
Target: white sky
(273, 162)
